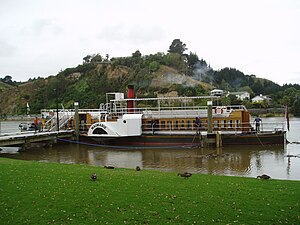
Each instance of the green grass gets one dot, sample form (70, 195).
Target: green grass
(49, 193)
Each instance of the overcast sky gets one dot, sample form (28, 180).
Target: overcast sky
(260, 37)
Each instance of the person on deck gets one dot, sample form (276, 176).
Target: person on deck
(257, 122)
(198, 124)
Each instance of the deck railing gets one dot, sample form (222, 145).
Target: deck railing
(152, 113)
(190, 128)
(157, 112)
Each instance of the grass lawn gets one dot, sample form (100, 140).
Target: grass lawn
(49, 193)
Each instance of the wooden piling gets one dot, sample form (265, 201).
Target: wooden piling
(76, 105)
(209, 117)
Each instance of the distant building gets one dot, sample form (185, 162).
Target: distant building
(216, 92)
(260, 98)
(241, 95)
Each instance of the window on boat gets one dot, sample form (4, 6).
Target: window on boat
(188, 124)
(216, 125)
(230, 123)
(149, 125)
(223, 123)
(176, 124)
(182, 124)
(99, 130)
(163, 124)
(238, 123)
(169, 125)
(205, 123)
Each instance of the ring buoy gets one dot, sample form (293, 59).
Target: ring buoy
(219, 110)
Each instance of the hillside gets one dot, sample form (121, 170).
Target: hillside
(88, 87)
(4, 86)
(159, 74)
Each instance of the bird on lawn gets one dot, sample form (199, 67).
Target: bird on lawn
(109, 167)
(264, 177)
(185, 175)
(93, 176)
(138, 168)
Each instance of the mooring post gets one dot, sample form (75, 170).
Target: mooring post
(57, 114)
(209, 117)
(217, 140)
(76, 105)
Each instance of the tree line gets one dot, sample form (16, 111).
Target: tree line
(89, 81)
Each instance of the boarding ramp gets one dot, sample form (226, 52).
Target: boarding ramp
(64, 116)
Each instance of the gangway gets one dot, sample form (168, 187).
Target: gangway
(25, 139)
(51, 121)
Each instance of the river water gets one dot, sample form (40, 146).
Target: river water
(247, 161)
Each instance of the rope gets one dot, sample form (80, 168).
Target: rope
(197, 134)
(123, 147)
(259, 139)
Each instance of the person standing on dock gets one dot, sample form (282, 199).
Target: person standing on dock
(257, 122)
(36, 123)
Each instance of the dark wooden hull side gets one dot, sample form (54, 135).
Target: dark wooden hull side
(254, 139)
(157, 141)
(192, 140)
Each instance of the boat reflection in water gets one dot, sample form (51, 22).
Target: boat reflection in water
(247, 161)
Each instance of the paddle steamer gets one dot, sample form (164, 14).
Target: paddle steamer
(164, 121)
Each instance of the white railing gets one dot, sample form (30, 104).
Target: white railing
(51, 122)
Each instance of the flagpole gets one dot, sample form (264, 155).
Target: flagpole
(28, 110)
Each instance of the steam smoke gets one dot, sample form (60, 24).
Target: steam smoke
(170, 78)
(201, 72)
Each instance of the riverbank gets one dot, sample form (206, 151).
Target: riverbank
(43, 193)
(267, 112)
(20, 118)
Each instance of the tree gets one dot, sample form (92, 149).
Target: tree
(154, 66)
(175, 60)
(137, 54)
(87, 59)
(7, 79)
(96, 58)
(296, 106)
(177, 47)
(192, 59)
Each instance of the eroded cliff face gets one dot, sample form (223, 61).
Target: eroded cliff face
(13, 99)
(8, 100)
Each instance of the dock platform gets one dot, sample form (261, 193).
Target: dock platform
(25, 139)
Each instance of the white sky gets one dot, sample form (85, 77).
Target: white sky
(260, 37)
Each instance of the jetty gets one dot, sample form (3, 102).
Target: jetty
(32, 138)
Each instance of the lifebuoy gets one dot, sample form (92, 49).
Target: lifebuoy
(219, 110)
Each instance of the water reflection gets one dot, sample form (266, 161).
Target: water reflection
(245, 161)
